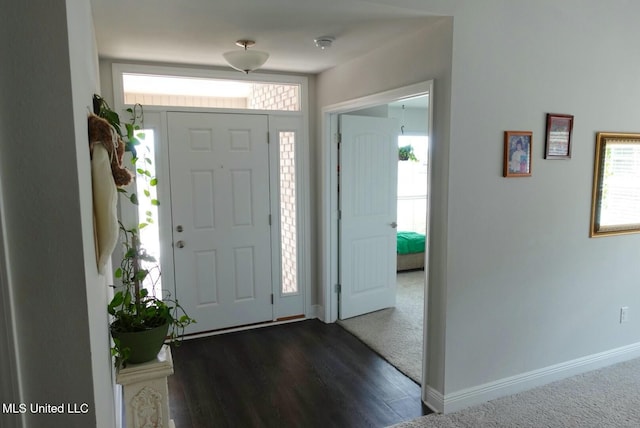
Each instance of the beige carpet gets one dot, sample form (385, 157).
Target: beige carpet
(604, 398)
(396, 333)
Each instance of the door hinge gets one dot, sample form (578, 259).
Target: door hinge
(269, 219)
(272, 298)
(339, 214)
(268, 137)
(338, 288)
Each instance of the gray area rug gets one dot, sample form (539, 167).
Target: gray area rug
(396, 333)
(604, 398)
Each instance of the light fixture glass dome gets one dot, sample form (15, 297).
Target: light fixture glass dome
(246, 60)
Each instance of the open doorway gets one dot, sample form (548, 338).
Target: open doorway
(404, 339)
(387, 308)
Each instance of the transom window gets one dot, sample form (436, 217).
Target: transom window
(179, 91)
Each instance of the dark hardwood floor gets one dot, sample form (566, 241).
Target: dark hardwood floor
(303, 374)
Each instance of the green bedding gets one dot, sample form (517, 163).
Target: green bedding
(410, 242)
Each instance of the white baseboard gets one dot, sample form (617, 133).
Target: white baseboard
(317, 311)
(511, 385)
(434, 400)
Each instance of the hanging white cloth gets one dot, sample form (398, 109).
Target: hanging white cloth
(105, 200)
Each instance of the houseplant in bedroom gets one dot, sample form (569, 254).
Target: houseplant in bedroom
(405, 153)
(142, 319)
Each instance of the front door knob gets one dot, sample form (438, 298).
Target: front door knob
(394, 225)
(180, 244)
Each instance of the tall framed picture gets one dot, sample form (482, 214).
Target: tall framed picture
(558, 141)
(517, 153)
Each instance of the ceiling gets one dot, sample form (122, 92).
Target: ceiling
(197, 32)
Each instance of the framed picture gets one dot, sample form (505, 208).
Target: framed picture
(558, 142)
(517, 153)
(615, 204)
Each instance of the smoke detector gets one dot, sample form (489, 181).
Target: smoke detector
(324, 42)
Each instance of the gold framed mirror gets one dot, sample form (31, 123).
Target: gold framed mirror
(615, 204)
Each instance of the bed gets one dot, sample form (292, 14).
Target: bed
(410, 250)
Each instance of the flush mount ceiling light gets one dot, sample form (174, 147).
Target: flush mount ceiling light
(246, 60)
(324, 42)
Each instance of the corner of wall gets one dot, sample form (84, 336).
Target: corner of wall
(434, 399)
(85, 82)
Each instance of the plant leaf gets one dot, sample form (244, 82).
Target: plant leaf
(127, 299)
(142, 274)
(117, 300)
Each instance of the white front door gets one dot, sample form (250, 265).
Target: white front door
(220, 203)
(368, 189)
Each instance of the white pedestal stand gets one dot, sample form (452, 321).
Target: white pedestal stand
(146, 395)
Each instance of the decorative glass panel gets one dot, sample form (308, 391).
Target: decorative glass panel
(288, 234)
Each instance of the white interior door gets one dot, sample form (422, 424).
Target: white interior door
(368, 192)
(219, 167)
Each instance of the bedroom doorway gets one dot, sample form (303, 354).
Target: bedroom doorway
(383, 158)
(389, 105)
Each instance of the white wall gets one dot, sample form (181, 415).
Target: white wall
(59, 298)
(413, 119)
(10, 391)
(85, 80)
(527, 288)
(516, 284)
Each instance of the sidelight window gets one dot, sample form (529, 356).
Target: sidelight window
(288, 213)
(148, 212)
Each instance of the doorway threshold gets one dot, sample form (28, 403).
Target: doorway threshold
(279, 321)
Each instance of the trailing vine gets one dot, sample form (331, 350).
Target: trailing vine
(132, 307)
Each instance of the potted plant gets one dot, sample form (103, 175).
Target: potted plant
(406, 153)
(142, 321)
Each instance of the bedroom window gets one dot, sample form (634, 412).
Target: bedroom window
(412, 185)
